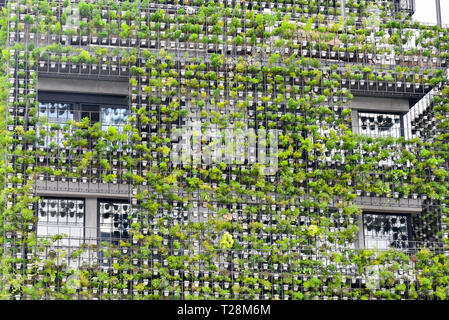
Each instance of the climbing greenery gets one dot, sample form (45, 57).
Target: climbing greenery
(225, 230)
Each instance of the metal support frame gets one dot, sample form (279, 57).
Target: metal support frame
(2, 275)
(438, 11)
(342, 6)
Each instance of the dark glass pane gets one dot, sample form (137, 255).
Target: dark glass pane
(114, 224)
(385, 231)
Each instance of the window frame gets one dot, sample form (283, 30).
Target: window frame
(111, 239)
(408, 216)
(82, 238)
(81, 99)
(381, 112)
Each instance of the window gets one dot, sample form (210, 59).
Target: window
(59, 108)
(380, 124)
(61, 216)
(56, 112)
(114, 220)
(115, 117)
(384, 231)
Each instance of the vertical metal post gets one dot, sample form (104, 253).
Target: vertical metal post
(342, 8)
(5, 179)
(438, 9)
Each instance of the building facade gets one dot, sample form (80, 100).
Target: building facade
(234, 149)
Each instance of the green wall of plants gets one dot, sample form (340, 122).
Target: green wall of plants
(227, 230)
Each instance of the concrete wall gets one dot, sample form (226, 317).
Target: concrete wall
(78, 189)
(91, 219)
(83, 86)
(381, 204)
(380, 104)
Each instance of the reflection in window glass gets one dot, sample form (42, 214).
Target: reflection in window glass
(380, 124)
(61, 113)
(61, 216)
(56, 112)
(384, 231)
(116, 117)
(114, 222)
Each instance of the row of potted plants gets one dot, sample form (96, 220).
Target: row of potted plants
(125, 34)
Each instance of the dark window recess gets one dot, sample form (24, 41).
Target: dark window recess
(114, 220)
(61, 216)
(384, 231)
(90, 111)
